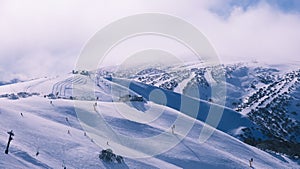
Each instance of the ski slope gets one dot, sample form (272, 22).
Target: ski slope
(229, 122)
(44, 128)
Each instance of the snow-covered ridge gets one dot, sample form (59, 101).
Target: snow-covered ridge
(44, 128)
(266, 94)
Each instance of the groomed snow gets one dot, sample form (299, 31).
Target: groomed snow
(44, 128)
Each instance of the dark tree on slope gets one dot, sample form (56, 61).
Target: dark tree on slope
(108, 156)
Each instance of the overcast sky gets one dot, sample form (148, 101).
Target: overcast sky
(40, 38)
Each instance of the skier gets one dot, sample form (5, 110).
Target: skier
(50, 101)
(67, 119)
(107, 143)
(37, 153)
(22, 114)
(173, 128)
(64, 166)
(95, 106)
(69, 132)
(84, 133)
(250, 162)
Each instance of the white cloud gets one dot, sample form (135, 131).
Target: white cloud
(261, 33)
(41, 38)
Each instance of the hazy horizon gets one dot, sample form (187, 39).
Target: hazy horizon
(46, 38)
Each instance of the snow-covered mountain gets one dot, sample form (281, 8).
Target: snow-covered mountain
(10, 82)
(268, 95)
(50, 122)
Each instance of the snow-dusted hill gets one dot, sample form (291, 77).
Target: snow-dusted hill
(9, 82)
(267, 95)
(55, 132)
